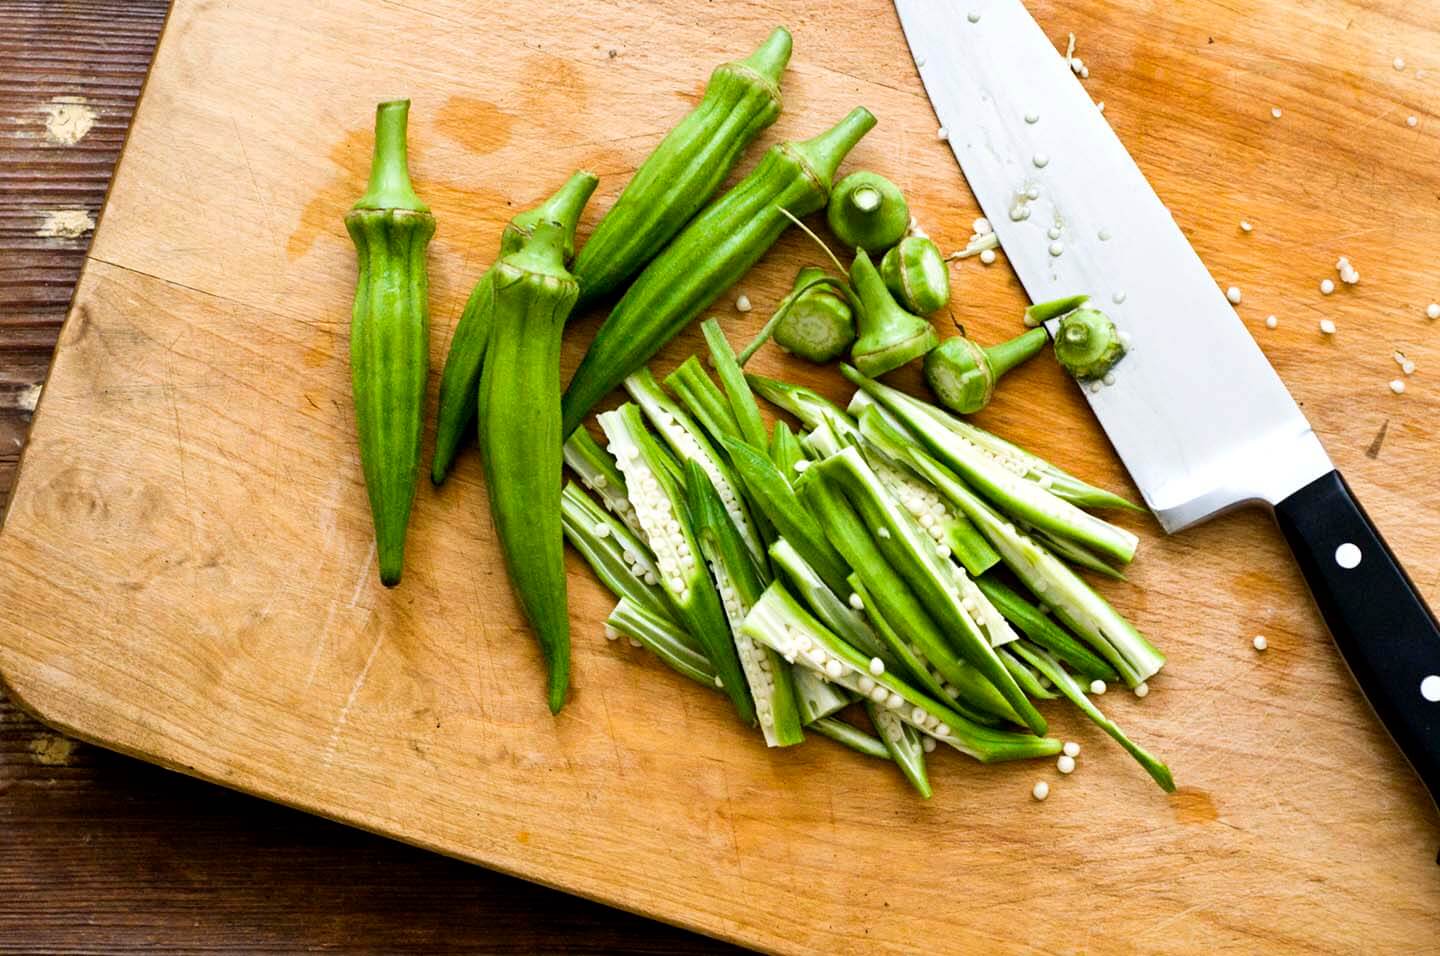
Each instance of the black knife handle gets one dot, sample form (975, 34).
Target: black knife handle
(1380, 622)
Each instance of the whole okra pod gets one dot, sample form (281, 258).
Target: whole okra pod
(460, 381)
(390, 334)
(741, 99)
(708, 256)
(519, 419)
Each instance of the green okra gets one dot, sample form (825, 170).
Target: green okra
(889, 336)
(833, 611)
(619, 558)
(663, 637)
(519, 426)
(1067, 685)
(916, 274)
(597, 471)
(741, 99)
(963, 374)
(1041, 312)
(820, 325)
(460, 379)
(780, 623)
(736, 388)
(867, 211)
(809, 406)
(1044, 631)
(902, 741)
(1088, 344)
(785, 451)
(658, 494)
(703, 399)
(390, 334)
(714, 250)
(740, 586)
(850, 736)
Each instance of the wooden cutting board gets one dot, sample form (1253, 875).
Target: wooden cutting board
(186, 571)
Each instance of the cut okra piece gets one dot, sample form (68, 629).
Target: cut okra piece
(903, 743)
(815, 697)
(736, 389)
(740, 587)
(1076, 554)
(1026, 500)
(664, 638)
(805, 404)
(1077, 606)
(776, 500)
(661, 508)
(1044, 631)
(1028, 680)
(1041, 312)
(619, 558)
(786, 453)
(851, 736)
(689, 443)
(893, 608)
(834, 611)
(779, 622)
(1067, 685)
(596, 471)
(703, 399)
(912, 553)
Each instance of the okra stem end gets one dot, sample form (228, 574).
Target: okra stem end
(770, 58)
(389, 186)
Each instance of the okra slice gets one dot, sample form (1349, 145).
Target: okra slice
(836, 613)
(1027, 465)
(732, 380)
(892, 606)
(816, 698)
(1043, 631)
(786, 453)
(1028, 680)
(780, 623)
(596, 471)
(1077, 606)
(662, 637)
(1068, 686)
(805, 404)
(773, 496)
(1026, 500)
(912, 553)
(740, 587)
(660, 507)
(851, 736)
(974, 697)
(619, 558)
(1079, 556)
(703, 399)
(689, 442)
(903, 743)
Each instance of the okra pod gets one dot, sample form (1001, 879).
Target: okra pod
(902, 741)
(741, 99)
(1043, 631)
(390, 334)
(460, 379)
(620, 560)
(596, 471)
(707, 257)
(519, 426)
(916, 274)
(785, 452)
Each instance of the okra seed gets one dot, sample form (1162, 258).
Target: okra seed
(917, 715)
(942, 730)
(1066, 764)
(866, 685)
(856, 602)
(1142, 689)
(927, 744)
(635, 643)
(1097, 687)
(742, 304)
(1041, 790)
(877, 666)
(894, 701)
(879, 694)
(1072, 749)
(834, 669)
(611, 634)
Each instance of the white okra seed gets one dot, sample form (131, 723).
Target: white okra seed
(877, 666)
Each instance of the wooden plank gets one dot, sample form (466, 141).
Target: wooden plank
(198, 589)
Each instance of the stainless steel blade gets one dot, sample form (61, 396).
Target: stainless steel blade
(1195, 411)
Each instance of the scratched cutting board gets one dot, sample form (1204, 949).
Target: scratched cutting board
(186, 572)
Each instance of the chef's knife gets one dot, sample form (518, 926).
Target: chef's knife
(1195, 411)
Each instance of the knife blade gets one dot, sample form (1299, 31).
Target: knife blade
(1195, 411)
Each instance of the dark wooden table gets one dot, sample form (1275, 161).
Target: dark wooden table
(103, 854)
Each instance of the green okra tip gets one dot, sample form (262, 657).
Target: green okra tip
(770, 58)
(389, 186)
(563, 207)
(824, 153)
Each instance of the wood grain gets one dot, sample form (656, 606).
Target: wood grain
(198, 587)
(100, 853)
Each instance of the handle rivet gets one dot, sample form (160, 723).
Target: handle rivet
(1347, 556)
(1430, 688)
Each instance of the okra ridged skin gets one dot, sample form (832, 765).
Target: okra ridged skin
(707, 257)
(390, 335)
(741, 99)
(460, 379)
(519, 431)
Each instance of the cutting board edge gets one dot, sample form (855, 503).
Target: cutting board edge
(252, 788)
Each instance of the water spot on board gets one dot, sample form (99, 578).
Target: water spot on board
(551, 85)
(1193, 806)
(68, 119)
(478, 125)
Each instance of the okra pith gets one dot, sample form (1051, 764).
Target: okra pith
(390, 334)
